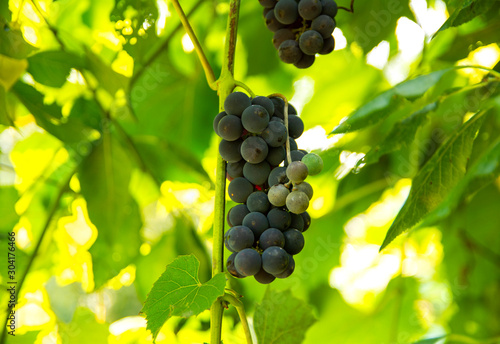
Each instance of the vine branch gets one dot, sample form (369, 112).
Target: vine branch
(233, 301)
(350, 9)
(209, 73)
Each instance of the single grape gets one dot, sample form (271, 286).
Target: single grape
(263, 277)
(248, 262)
(286, 11)
(265, 102)
(297, 202)
(257, 222)
(255, 119)
(230, 266)
(230, 128)
(294, 241)
(275, 156)
(235, 169)
(217, 119)
(307, 220)
(305, 62)
(309, 9)
(272, 23)
(239, 189)
(275, 134)
(328, 46)
(268, 3)
(293, 144)
(296, 155)
(324, 25)
(258, 202)
(230, 150)
(277, 195)
(313, 162)
(236, 214)
(295, 126)
(279, 219)
(271, 237)
(226, 242)
(305, 187)
(239, 238)
(257, 173)
(297, 222)
(254, 149)
(297, 171)
(329, 8)
(277, 176)
(236, 102)
(289, 51)
(310, 42)
(277, 119)
(279, 108)
(274, 260)
(289, 269)
(266, 11)
(282, 35)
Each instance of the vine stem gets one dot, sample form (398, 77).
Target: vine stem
(350, 9)
(209, 73)
(233, 301)
(225, 86)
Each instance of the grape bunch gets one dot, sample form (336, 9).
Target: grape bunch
(302, 28)
(267, 226)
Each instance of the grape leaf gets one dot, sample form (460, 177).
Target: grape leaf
(178, 292)
(12, 42)
(468, 11)
(483, 172)
(380, 107)
(51, 68)
(4, 112)
(104, 179)
(402, 134)
(442, 172)
(430, 340)
(282, 318)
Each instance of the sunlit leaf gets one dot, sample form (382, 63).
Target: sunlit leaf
(430, 340)
(179, 292)
(108, 79)
(282, 318)
(51, 68)
(5, 118)
(402, 134)
(8, 199)
(468, 11)
(12, 42)
(10, 70)
(442, 172)
(380, 107)
(104, 178)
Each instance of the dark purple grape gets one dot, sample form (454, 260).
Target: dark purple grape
(295, 126)
(217, 119)
(230, 128)
(279, 219)
(274, 260)
(289, 51)
(239, 189)
(289, 269)
(263, 277)
(305, 62)
(236, 214)
(230, 151)
(277, 176)
(294, 241)
(239, 238)
(254, 149)
(297, 222)
(275, 156)
(275, 134)
(328, 46)
(329, 8)
(236, 102)
(257, 201)
(235, 169)
(248, 262)
(265, 102)
(255, 119)
(257, 222)
(307, 220)
(230, 266)
(272, 23)
(282, 35)
(268, 3)
(286, 11)
(309, 9)
(311, 42)
(257, 173)
(271, 237)
(324, 25)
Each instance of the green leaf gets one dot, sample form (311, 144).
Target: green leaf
(442, 172)
(468, 11)
(381, 107)
(430, 340)
(8, 198)
(282, 318)
(104, 179)
(108, 79)
(402, 134)
(5, 118)
(12, 42)
(178, 292)
(482, 173)
(51, 68)
(49, 116)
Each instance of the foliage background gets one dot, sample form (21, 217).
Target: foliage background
(108, 154)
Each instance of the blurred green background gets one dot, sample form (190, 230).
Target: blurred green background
(108, 154)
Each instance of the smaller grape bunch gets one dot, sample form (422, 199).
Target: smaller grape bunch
(302, 28)
(267, 175)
